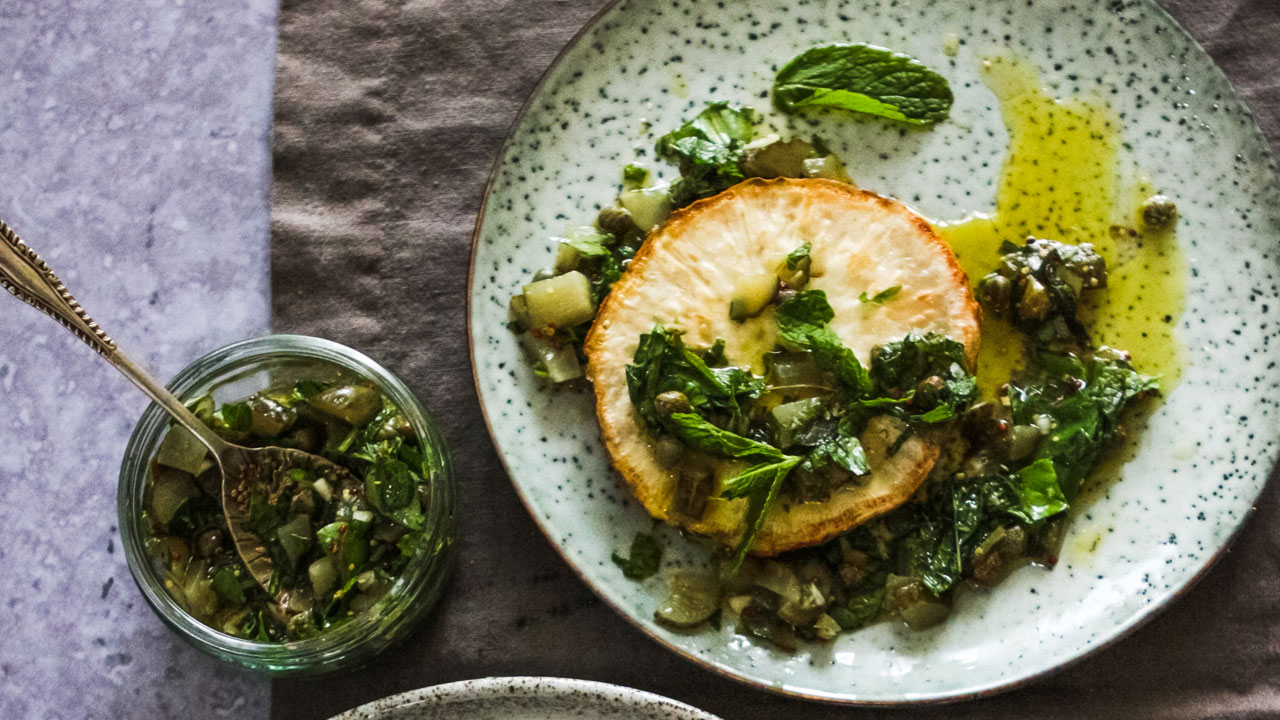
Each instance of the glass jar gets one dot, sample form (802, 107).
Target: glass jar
(233, 373)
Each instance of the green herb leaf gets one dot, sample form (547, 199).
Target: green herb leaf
(802, 322)
(1040, 495)
(708, 150)
(758, 505)
(881, 297)
(646, 558)
(1085, 400)
(227, 585)
(866, 79)
(701, 435)
(662, 363)
(635, 174)
(798, 256)
(756, 478)
(236, 416)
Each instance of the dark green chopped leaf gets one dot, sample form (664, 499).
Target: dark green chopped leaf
(634, 174)
(1084, 399)
(662, 363)
(937, 414)
(410, 515)
(843, 449)
(708, 150)
(236, 416)
(862, 608)
(881, 297)
(227, 585)
(1039, 493)
(645, 559)
(898, 367)
(798, 256)
(263, 517)
(866, 79)
(389, 485)
(802, 322)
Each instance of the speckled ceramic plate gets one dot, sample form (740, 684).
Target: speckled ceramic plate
(644, 65)
(524, 698)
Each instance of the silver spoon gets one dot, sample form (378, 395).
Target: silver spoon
(243, 469)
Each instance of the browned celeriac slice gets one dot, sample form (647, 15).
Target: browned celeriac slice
(684, 277)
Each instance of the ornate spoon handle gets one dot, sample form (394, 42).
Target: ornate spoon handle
(24, 274)
(29, 278)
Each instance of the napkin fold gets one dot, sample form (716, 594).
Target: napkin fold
(388, 116)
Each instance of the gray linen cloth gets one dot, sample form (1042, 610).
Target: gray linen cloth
(388, 116)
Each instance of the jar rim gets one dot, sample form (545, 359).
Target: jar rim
(412, 595)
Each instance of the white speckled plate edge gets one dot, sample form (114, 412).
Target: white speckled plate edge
(779, 673)
(524, 698)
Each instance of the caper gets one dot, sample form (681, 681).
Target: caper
(995, 291)
(671, 402)
(209, 542)
(396, 426)
(1023, 440)
(1034, 303)
(355, 404)
(1159, 213)
(616, 221)
(927, 391)
(270, 418)
(669, 451)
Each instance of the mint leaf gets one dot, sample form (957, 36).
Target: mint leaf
(1039, 491)
(708, 150)
(881, 297)
(866, 79)
(797, 256)
(236, 416)
(646, 558)
(802, 321)
(662, 363)
(702, 435)
(758, 505)
(756, 478)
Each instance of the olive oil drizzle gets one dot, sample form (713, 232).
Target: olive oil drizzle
(1061, 180)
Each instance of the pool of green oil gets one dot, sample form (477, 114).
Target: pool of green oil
(1063, 179)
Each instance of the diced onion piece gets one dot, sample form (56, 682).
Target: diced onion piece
(173, 488)
(562, 301)
(924, 614)
(561, 362)
(182, 450)
(567, 258)
(691, 598)
(828, 167)
(751, 293)
(322, 487)
(778, 578)
(826, 627)
(738, 603)
(649, 207)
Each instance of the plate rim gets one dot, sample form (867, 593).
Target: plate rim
(495, 684)
(1129, 626)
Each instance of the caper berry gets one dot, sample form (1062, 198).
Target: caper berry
(616, 221)
(1159, 213)
(671, 402)
(208, 543)
(995, 291)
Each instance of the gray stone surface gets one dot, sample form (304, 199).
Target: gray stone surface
(134, 155)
